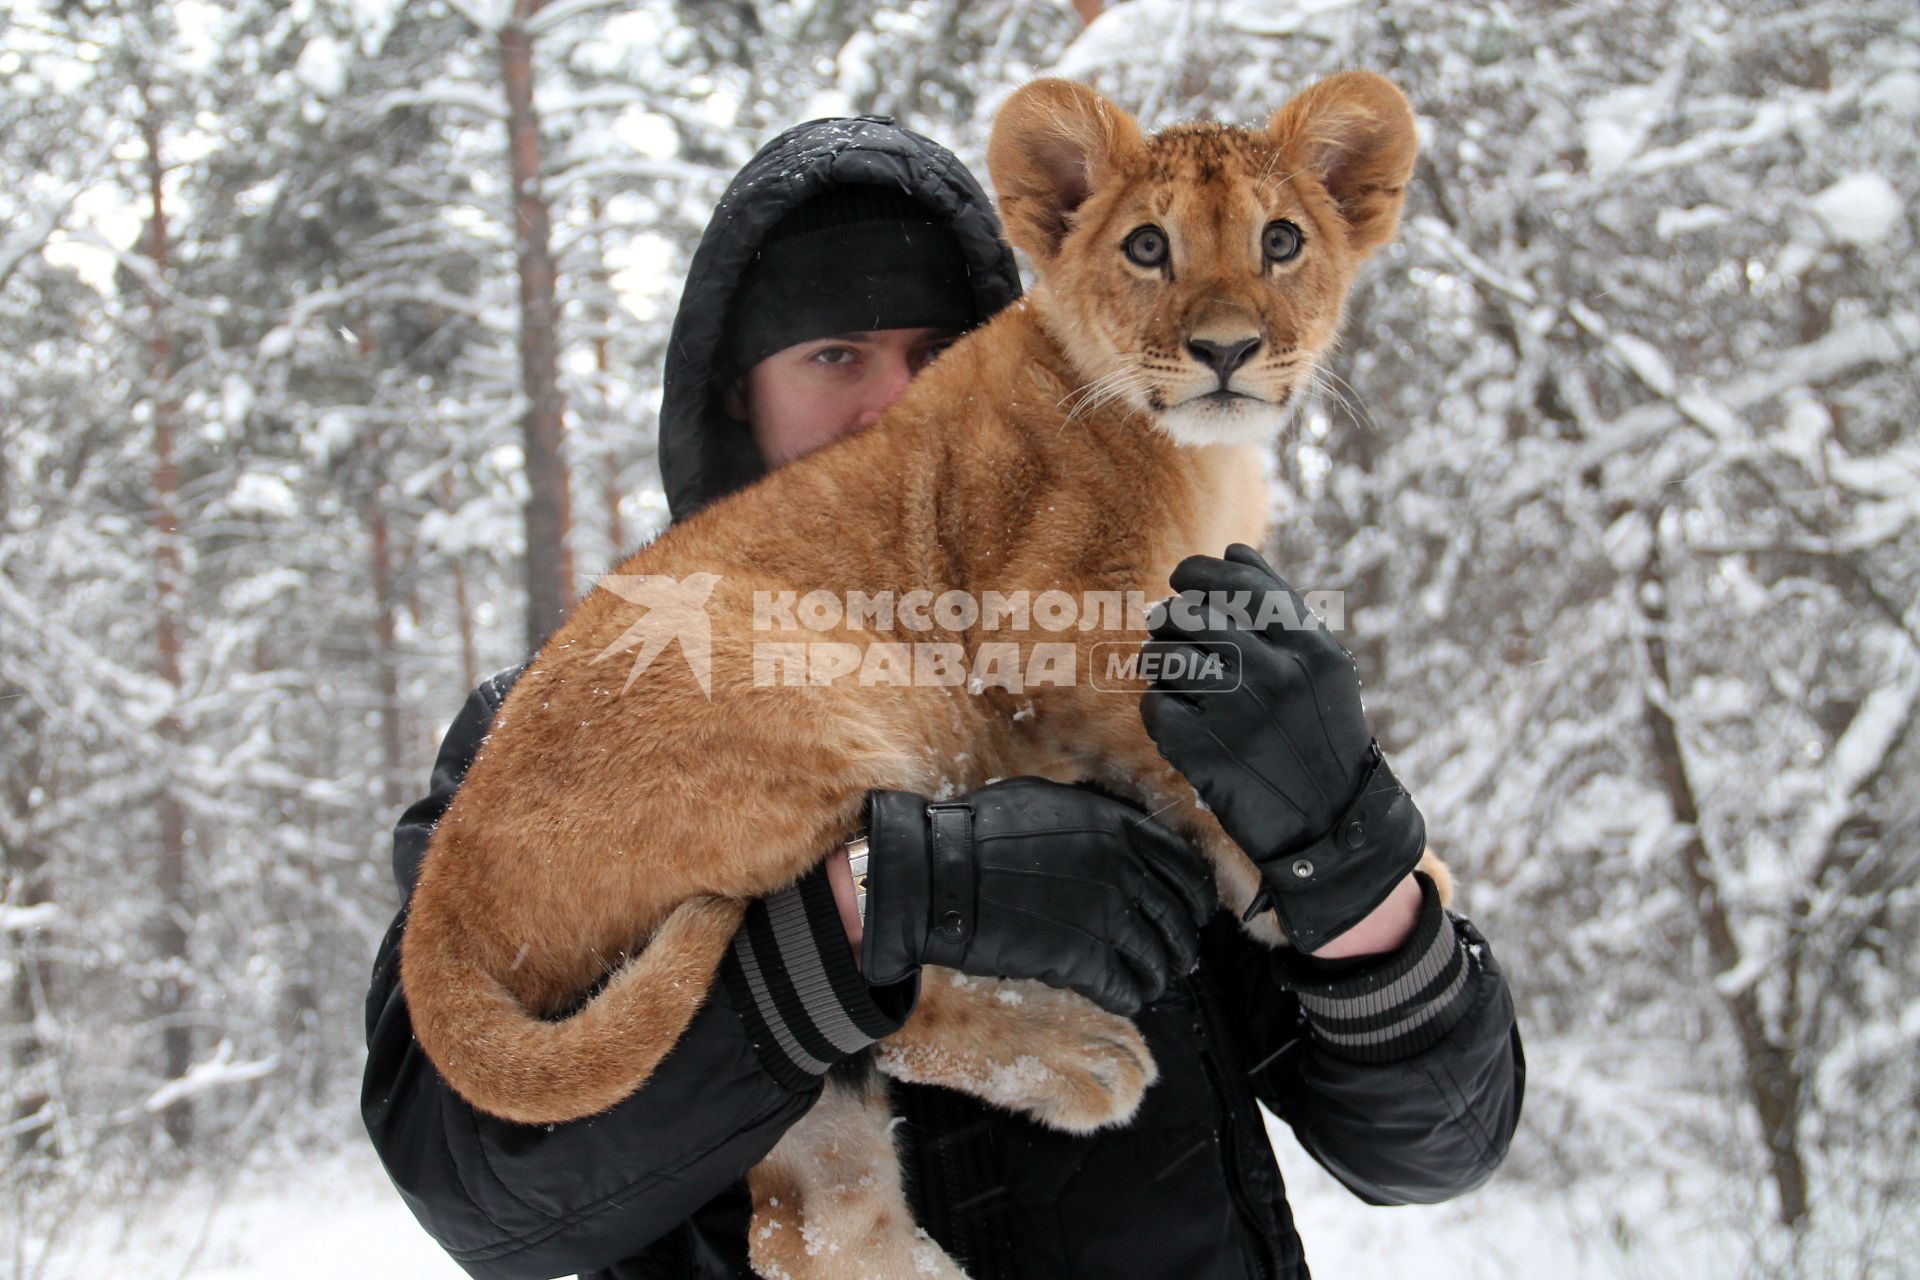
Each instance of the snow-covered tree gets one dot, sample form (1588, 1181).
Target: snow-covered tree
(1618, 472)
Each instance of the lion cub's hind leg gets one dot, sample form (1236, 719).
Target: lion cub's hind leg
(1025, 1046)
(827, 1201)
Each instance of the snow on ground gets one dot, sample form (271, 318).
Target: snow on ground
(341, 1217)
(1504, 1231)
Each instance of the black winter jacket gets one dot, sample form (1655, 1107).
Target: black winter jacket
(1402, 1075)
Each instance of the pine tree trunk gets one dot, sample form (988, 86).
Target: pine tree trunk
(386, 658)
(469, 659)
(168, 1004)
(26, 878)
(548, 514)
(610, 494)
(1775, 1086)
(25, 882)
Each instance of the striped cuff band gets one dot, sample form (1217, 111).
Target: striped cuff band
(791, 976)
(1405, 1003)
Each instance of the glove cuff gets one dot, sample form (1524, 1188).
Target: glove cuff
(790, 975)
(899, 886)
(1324, 888)
(1400, 1004)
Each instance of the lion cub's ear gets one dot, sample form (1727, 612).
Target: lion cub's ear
(1356, 133)
(1054, 142)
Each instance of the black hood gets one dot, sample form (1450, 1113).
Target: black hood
(704, 454)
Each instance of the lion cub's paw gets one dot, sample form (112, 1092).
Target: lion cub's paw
(1025, 1046)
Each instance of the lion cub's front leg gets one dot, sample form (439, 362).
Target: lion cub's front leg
(1135, 765)
(1024, 1046)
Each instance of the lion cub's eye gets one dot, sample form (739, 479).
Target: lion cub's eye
(1147, 247)
(1281, 241)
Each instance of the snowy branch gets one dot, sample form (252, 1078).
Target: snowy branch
(121, 791)
(560, 11)
(217, 1072)
(590, 172)
(151, 278)
(386, 288)
(1845, 349)
(41, 915)
(1775, 118)
(560, 102)
(138, 698)
(446, 93)
(26, 242)
(488, 18)
(38, 1119)
(1291, 20)
(1855, 761)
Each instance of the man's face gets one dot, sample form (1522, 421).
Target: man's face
(813, 393)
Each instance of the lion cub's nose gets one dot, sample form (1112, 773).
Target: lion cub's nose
(1222, 357)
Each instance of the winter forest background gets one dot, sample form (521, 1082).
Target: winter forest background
(299, 441)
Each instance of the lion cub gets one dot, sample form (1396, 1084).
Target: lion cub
(1084, 441)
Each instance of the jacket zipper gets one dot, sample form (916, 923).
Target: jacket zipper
(950, 1180)
(948, 1183)
(1230, 1142)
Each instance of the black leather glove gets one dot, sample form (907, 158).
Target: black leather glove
(1279, 748)
(1027, 878)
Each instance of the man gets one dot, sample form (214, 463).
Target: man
(839, 262)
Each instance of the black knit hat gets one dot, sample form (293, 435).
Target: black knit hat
(851, 260)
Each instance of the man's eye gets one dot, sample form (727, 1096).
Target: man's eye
(835, 355)
(930, 354)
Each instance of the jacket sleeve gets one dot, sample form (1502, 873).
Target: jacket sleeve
(516, 1202)
(1402, 1075)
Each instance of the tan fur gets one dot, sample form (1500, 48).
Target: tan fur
(1024, 1046)
(827, 1200)
(603, 831)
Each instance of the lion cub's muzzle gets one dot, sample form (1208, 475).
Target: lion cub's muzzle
(1237, 378)
(1223, 357)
